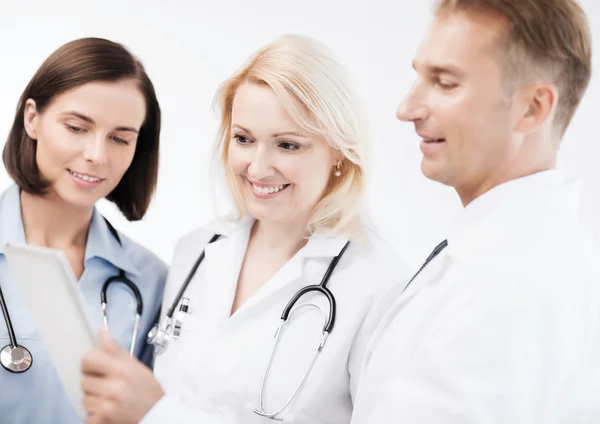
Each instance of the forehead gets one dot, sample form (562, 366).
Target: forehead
(118, 103)
(462, 40)
(258, 105)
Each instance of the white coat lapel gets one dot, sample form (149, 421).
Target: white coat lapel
(290, 272)
(224, 259)
(396, 298)
(318, 246)
(434, 271)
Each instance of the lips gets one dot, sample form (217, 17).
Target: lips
(268, 189)
(430, 137)
(86, 177)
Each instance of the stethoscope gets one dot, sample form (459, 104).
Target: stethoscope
(161, 333)
(17, 359)
(170, 328)
(327, 329)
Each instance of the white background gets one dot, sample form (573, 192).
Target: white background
(189, 47)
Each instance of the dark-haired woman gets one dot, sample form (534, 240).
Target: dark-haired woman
(87, 127)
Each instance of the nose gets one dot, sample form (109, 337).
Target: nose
(95, 150)
(413, 107)
(261, 163)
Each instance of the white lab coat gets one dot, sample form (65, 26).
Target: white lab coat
(501, 327)
(213, 373)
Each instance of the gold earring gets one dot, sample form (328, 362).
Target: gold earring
(338, 169)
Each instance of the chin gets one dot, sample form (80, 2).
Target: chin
(437, 174)
(429, 171)
(264, 215)
(432, 170)
(76, 198)
(267, 213)
(80, 202)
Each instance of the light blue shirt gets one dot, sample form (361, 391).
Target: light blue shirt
(37, 395)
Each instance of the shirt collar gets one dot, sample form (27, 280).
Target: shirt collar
(102, 243)
(320, 244)
(11, 224)
(229, 225)
(513, 201)
(324, 245)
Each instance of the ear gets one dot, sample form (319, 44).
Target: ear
(539, 103)
(337, 157)
(31, 119)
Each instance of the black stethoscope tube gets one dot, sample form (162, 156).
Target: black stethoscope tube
(188, 279)
(121, 278)
(9, 326)
(321, 288)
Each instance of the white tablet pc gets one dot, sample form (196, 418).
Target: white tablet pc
(47, 282)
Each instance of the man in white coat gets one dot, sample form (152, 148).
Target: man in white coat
(503, 323)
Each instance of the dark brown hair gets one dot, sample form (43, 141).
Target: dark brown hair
(551, 37)
(72, 65)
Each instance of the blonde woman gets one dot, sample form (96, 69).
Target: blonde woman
(292, 143)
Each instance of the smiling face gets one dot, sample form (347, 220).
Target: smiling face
(86, 139)
(459, 104)
(281, 170)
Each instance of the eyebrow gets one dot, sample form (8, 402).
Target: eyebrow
(91, 121)
(274, 135)
(439, 69)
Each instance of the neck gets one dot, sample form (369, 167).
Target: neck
(516, 166)
(283, 238)
(50, 222)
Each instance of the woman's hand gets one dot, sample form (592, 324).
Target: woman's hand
(118, 389)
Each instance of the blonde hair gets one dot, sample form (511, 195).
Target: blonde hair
(315, 91)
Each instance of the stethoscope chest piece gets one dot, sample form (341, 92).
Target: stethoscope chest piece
(159, 338)
(15, 359)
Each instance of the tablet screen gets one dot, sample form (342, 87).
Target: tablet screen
(47, 283)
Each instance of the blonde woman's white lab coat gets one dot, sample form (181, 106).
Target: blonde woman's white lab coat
(501, 327)
(213, 372)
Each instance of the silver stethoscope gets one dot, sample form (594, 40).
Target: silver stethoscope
(326, 331)
(17, 359)
(161, 333)
(170, 328)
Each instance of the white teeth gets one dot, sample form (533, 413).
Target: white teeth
(85, 177)
(267, 190)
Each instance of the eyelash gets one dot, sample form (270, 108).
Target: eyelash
(76, 130)
(242, 140)
(79, 130)
(294, 146)
(446, 86)
(120, 141)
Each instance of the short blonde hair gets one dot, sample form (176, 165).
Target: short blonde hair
(546, 37)
(316, 92)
